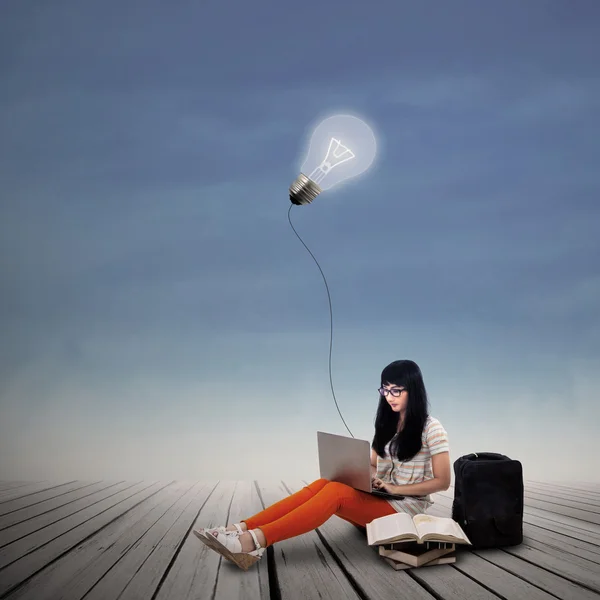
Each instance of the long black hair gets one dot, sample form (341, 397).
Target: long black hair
(406, 374)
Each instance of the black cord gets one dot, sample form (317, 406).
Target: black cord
(330, 318)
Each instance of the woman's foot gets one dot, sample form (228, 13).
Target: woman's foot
(236, 527)
(247, 541)
(243, 549)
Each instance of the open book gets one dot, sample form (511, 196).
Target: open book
(420, 528)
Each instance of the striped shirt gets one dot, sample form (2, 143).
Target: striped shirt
(415, 470)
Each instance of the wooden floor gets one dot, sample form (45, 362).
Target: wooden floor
(125, 540)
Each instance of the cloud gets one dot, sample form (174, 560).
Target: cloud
(159, 429)
(145, 253)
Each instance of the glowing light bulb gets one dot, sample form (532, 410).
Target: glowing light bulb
(341, 147)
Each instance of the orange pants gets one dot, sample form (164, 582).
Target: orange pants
(314, 504)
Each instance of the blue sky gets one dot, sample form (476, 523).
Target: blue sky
(153, 291)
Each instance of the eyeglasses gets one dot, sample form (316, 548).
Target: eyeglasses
(394, 391)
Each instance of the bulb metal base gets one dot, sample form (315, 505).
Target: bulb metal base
(304, 190)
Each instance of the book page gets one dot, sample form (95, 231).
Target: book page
(438, 526)
(392, 526)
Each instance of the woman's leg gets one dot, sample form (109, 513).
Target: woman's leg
(333, 498)
(283, 507)
(357, 525)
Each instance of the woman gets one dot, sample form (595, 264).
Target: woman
(409, 457)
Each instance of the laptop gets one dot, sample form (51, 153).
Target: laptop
(347, 460)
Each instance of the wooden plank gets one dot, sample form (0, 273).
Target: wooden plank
(233, 583)
(197, 570)
(29, 490)
(520, 580)
(564, 492)
(305, 568)
(565, 551)
(450, 583)
(586, 527)
(194, 571)
(443, 580)
(567, 530)
(547, 537)
(530, 574)
(589, 529)
(559, 557)
(586, 496)
(572, 508)
(146, 580)
(544, 531)
(473, 563)
(541, 578)
(148, 556)
(10, 485)
(562, 502)
(31, 500)
(583, 486)
(570, 567)
(52, 542)
(14, 540)
(77, 571)
(28, 484)
(560, 495)
(562, 566)
(139, 571)
(553, 539)
(594, 485)
(362, 564)
(24, 510)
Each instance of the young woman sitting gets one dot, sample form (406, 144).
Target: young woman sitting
(409, 457)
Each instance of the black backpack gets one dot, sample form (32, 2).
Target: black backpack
(488, 499)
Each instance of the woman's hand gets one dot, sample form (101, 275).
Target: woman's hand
(379, 485)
